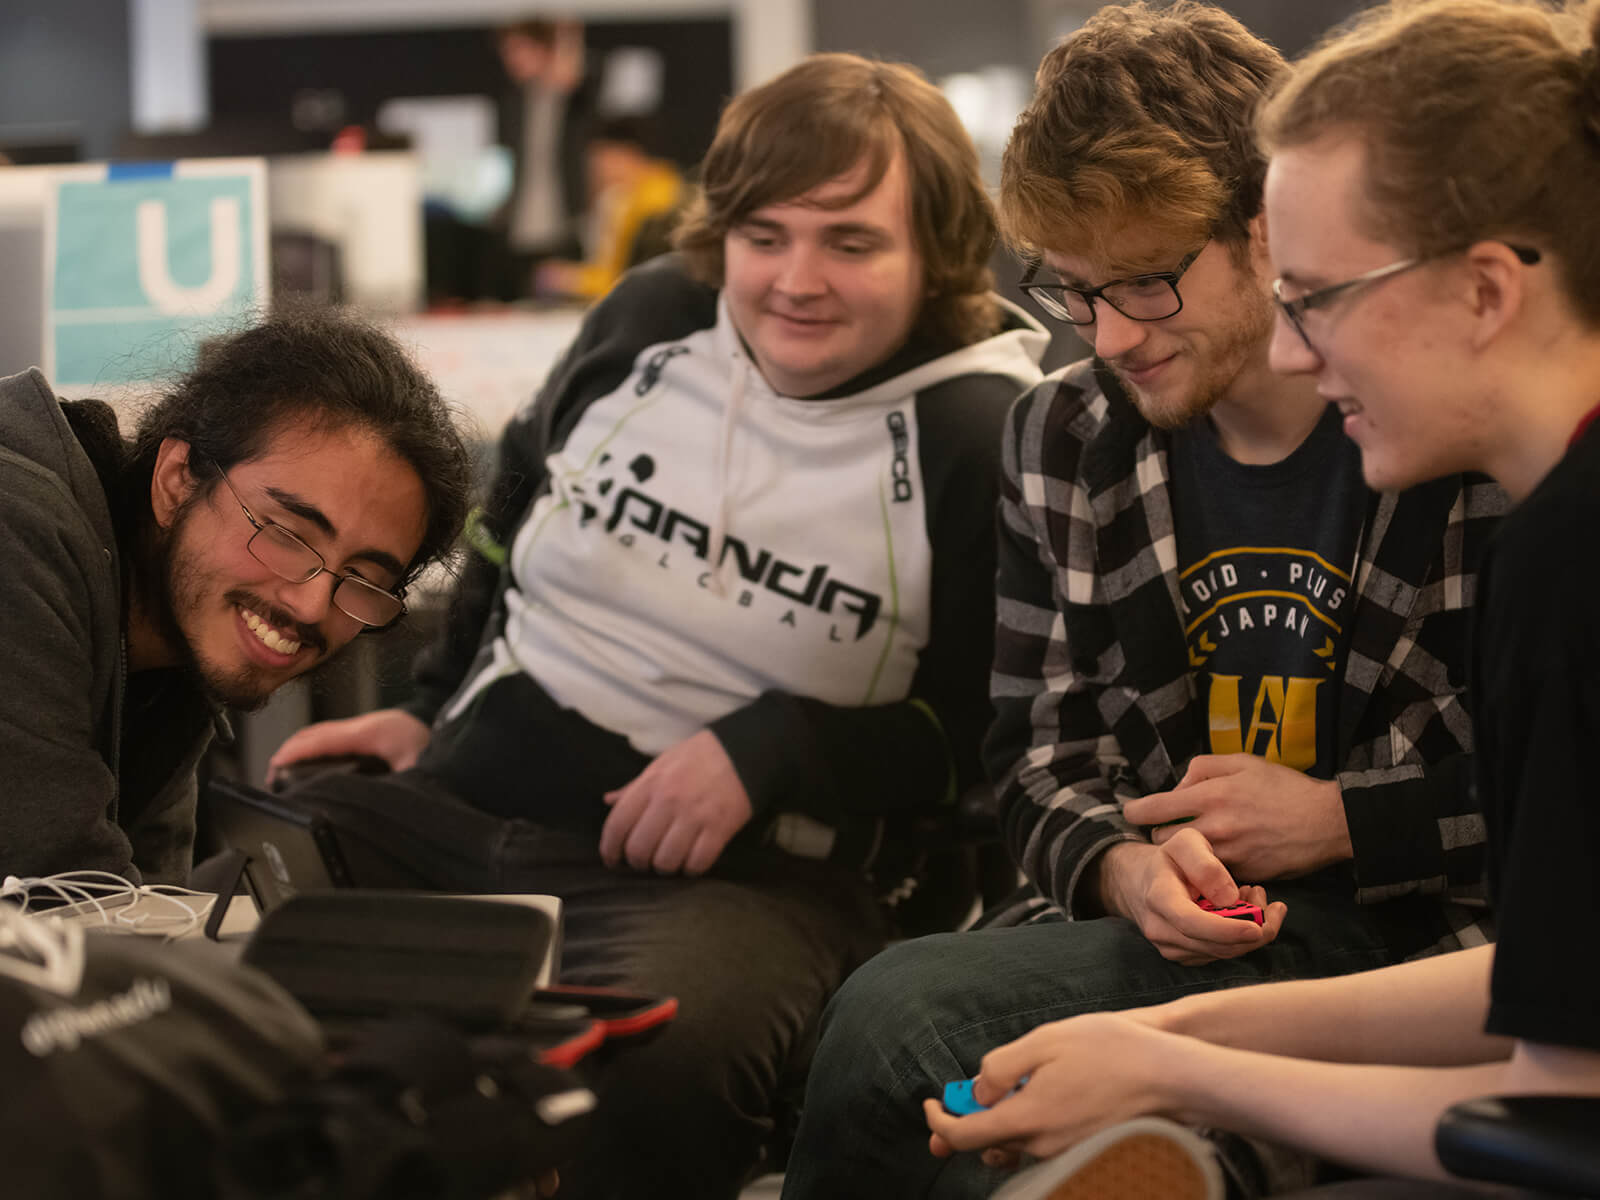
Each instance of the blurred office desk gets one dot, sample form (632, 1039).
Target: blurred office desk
(181, 917)
(489, 362)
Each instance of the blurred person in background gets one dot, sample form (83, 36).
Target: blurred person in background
(545, 121)
(634, 200)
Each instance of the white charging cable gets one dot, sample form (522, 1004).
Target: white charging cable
(106, 901)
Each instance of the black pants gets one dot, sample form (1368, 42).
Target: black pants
(752, 950)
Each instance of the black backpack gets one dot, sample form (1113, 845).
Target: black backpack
(136, 1068)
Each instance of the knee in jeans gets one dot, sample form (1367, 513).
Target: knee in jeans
(697, 1081)
(896, 992)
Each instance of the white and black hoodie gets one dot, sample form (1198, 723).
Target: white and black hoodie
(685, 548)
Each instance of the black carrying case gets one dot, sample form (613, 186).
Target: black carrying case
(352, 957)
(350, 953)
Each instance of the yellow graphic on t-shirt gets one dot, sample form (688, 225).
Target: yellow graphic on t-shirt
(1283, 719)
(1262, 625)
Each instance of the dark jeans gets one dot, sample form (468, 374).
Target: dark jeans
(924, 1012)
(752, 950)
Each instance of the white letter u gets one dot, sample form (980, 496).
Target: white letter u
(173, 299)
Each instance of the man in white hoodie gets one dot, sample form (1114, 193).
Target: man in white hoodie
(729, 636)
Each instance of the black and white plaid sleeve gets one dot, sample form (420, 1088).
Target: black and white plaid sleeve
(1060, 771)
(1415, 825)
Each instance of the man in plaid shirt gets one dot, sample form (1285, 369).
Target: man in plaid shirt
(1225, 670)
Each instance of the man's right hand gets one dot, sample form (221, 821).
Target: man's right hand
(390, 734)
(1156, 887)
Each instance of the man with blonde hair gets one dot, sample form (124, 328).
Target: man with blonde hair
(1225, 670)
(740, 639)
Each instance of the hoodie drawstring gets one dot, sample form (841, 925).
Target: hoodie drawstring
(719, 518)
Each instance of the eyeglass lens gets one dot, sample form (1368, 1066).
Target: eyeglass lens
(284, 554)
(1141, 299)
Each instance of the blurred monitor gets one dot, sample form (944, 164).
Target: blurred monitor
(464, 172)
(24, 191)
(231, 138)
(306, 267)
(29, 153)
(367, 206)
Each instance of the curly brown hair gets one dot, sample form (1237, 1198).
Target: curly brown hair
(816, 122)
(1144, 114)
(1480, 119)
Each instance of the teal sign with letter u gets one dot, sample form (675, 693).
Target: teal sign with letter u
(144, 260)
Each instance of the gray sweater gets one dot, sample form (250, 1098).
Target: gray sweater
(68, 800)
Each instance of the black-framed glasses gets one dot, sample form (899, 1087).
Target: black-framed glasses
(1152, 297)
(1295, 308)
(287, 557)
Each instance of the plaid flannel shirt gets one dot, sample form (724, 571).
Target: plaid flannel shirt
(1094, 696)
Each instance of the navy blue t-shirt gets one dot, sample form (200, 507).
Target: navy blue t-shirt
(1265, 555)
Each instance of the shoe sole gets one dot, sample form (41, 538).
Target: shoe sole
(1148, 1159)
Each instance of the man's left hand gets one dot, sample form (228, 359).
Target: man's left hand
(1264, 820)
(679, 813)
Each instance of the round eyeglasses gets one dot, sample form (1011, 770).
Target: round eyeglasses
(1150, 297)
(287, 557)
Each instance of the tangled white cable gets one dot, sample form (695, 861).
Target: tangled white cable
(107, 901)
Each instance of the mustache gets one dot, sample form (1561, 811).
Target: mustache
(1129, 364)
(306, 635)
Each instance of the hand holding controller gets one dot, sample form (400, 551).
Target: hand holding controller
(1239, 912)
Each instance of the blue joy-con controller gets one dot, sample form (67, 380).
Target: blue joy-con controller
(958, 1099)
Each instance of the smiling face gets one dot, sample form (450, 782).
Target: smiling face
(1395, 354)
(1181, 366)
(821, 292)
(244, 630)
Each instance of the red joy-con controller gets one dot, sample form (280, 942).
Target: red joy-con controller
(1239, 912)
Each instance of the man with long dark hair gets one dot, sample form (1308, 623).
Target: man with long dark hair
(275, 503)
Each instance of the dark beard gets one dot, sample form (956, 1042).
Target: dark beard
(170, 582)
